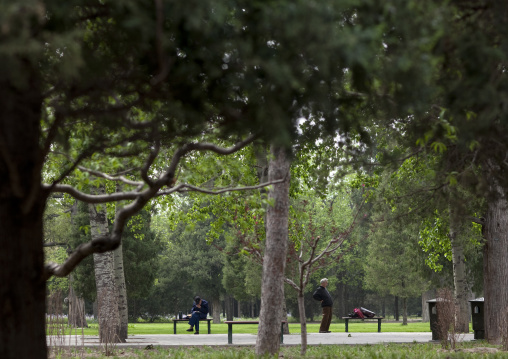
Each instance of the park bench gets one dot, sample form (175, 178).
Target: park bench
(231, 322)
(347, 319)
(176, 320)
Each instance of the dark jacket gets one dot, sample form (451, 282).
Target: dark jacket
(322, 294)
(203, 311)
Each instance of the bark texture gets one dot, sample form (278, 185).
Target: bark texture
(216, 310)
(461, 288)
(122, 293)
(404, 311)
(274, 263)
(120, 283)
(23, 289)
(495, 264)
(107, 295)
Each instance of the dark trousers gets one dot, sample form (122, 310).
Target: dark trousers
(194, 320)
(327, 319)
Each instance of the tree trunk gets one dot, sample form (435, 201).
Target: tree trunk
(121, 287)
(404, 311)
(122, 293)
(216, 310)
(461, 289)
(396, 309)
(107, 294)
(303, 323)
(495, 264)
(76, 318)
(23, 288)
(229, 307)
(343, 310)
(428, 295)
(274, 263)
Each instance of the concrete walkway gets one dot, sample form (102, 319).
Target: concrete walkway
(171, 340)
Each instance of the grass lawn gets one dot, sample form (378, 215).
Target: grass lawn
(378, 351)
(294, 328)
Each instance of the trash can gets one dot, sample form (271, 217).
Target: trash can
(433, 316)
(478, 317)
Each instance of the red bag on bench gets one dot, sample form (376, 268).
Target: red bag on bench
(358, 313)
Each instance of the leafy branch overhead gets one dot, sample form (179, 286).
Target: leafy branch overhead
(143, 192)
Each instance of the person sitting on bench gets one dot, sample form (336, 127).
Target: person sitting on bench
(199, 311)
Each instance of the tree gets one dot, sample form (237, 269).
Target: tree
(274, 259)
(107, 291)
(189, 267)
(391, 266)
(313, 244)
(93, 82)
(469, 126)
(142, 249)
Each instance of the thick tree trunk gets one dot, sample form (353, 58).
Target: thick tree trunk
(76, 318)
(495, 264)
(461, 289)
(22, 289)
(122, 293)
(274, 262)
(216, 310)
(428, 295)
(107, 294)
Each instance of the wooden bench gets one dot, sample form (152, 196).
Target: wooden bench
(176, 320)
(231, 322)
(347, 319)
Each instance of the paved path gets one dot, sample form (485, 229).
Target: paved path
(170, 340)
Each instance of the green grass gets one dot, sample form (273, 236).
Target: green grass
(378, 351)
(294, 328)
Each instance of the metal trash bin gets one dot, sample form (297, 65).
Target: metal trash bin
(478, 317)
(434, 317)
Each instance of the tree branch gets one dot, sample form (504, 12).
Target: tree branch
(140, 199)
(185, 187)
(115, 178)
(149, 161)
(477, 220)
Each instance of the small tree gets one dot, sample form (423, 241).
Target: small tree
(316, 242)
(317, 236)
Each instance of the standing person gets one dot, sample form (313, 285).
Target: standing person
(199, 311)
(324, 296)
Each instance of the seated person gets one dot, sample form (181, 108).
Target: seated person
(199, 311)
